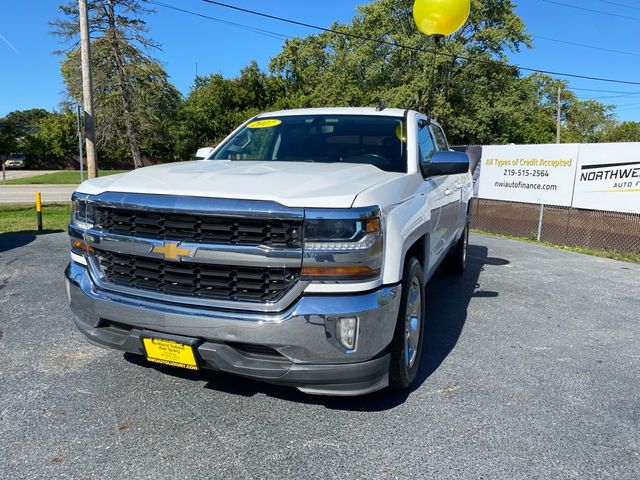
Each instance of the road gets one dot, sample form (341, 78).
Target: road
(12, 174)
(26, 193)
(532, 371)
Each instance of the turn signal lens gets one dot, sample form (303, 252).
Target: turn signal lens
(339, 273)
(373, 225)
(81, 247)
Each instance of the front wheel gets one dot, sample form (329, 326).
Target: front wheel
(406, 346)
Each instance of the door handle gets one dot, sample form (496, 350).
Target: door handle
(448, 192)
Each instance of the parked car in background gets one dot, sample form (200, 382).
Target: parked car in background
(296, 253)
(16, 160)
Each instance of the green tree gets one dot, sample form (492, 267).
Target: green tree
(215, 106)
(586, 121)
(622, 132)
(57, 134)
(23, 127)
(41, 135)
(26, 120)
(8, 136)
(474, 99)
(133, 96)
(475, 96)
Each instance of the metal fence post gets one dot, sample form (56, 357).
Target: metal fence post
(4, 173)
(540, 221)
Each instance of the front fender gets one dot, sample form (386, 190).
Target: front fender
(406, 224)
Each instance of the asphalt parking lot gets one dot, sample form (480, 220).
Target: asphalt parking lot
(532, 370)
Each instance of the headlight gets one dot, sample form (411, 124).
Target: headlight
(82, 215)
(330, 234)
(342, 245)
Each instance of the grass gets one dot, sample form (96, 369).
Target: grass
(595, 252)
(22, 218)
(58, 178)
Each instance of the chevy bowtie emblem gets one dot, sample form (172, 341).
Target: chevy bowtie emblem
(171, 251)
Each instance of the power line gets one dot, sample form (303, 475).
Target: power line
(620, 4)
(634, 106)
(593, 47)
(277, 35)
(602, 91)
(625, 95)
(273, 34)
(599, 97)
(410, 47)
(601, 12)
(257, 30)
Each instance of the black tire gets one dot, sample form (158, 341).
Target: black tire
(456, 260)
(405, 361)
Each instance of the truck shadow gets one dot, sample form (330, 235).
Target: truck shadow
(11, 240)
(447, 298)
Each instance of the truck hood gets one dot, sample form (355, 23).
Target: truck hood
(293, 184)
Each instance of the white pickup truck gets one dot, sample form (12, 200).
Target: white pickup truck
(297, 253)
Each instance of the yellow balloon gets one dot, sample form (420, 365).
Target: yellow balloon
(440, 17)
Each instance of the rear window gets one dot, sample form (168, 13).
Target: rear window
(361, 139)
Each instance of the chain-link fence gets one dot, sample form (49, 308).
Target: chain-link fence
(559, 225)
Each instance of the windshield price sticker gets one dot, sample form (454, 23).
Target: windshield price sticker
(272, 122)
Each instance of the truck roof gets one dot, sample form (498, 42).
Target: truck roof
(386, 112)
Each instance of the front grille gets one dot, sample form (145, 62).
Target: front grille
(199, 228)
(221, 282)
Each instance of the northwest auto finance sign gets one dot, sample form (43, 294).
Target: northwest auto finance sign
(529, 173)
(596, 176)
(608, 177)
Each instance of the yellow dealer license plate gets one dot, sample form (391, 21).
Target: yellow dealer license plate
(169, 352)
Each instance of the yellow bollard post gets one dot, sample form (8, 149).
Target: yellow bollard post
(39, 210)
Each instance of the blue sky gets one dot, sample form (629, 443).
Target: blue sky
(30, 74)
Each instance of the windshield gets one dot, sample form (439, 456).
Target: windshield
(374, 140)
(16, 156)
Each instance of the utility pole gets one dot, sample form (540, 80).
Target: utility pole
(558, 112)
(80, 151)
(87, 91)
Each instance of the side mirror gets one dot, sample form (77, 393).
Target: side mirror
(445, 163)
(203, 152)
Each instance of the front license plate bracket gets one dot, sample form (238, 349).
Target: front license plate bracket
(169, 350)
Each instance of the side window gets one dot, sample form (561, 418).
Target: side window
(441, 140)
(425, 142)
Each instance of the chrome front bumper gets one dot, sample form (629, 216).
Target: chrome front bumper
(310, 357)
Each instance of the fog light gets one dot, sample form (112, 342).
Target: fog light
(347, 332)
